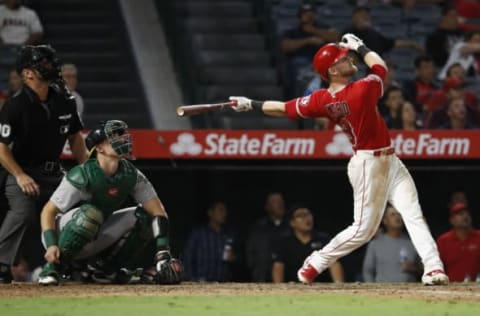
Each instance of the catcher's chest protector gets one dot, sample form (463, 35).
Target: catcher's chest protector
(108, 193)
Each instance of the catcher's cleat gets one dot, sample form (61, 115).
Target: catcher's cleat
(435, 277)
(307, 273)
(49, 275)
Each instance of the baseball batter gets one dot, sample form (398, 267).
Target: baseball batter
(375, 173)
(97, 232)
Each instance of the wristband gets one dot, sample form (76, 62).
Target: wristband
(363, 50)
(257, 105)
(50, 237)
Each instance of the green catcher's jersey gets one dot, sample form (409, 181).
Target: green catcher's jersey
(107, 193)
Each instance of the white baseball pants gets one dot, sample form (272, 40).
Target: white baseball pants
(376, 181)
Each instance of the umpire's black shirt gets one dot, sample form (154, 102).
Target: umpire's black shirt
(38, 130)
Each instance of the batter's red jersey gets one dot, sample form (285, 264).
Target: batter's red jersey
(460, 257)
(353, 108)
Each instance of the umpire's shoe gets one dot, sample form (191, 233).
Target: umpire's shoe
(49, 275)
(5, 274)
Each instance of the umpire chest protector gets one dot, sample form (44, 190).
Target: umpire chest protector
(108, 193)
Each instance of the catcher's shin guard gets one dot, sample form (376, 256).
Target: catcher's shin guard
(79, 231)
(126, 251)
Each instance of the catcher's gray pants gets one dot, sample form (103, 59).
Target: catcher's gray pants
(22, 209)
(117, 225)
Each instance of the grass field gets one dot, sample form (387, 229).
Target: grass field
(253, 300)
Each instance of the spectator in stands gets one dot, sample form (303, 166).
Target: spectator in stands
(420, 90)
(3, 98)
(391, 257)
(263, 235)
(390, 80)
(409, 119)
(440, 42)
(300, 44)
(291, 250)
(457, 116)
(468, 12)
(19, 25)
(453, 87)
(14, 82)
(70, 75)
(390, 107)
(459, 248)
(13, 85)
(211, 249)
(467, 54)
(362, 27)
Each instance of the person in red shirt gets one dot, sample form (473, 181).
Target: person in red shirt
(460, 247)
(375, 172)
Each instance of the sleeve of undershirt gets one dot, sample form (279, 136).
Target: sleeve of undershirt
(66, 196)
(143, 190)
(373, 82)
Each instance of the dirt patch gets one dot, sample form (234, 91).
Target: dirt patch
(454, 292)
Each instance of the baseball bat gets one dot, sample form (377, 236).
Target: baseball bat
(195, 109)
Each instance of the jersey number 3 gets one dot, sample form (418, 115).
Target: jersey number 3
(5, 130)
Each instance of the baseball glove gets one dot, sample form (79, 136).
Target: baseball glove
(169, 272)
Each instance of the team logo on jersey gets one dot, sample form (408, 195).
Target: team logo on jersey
(113, 192)
(305, 100)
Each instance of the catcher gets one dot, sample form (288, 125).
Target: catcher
(95, 237)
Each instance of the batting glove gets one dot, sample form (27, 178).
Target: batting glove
(243, 104)
(351, 42)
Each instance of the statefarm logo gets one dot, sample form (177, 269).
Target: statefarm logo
(425, 144)
(223, 144)
(422, 144)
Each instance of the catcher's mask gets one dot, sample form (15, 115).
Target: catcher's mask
(116, 133)
(42, 58)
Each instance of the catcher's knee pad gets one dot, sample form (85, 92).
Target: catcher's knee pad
(80, 230)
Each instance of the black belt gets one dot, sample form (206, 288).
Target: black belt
(45, 166)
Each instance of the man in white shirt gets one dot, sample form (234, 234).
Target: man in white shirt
(19, 25)
(69, 74)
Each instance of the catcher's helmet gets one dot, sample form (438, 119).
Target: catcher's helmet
(326, 57)
(116, 132)
(42, 58)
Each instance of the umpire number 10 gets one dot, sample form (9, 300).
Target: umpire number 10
(5, 130)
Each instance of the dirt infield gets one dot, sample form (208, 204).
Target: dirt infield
(455, 292)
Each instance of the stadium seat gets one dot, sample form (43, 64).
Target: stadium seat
(214, 9)
(226, 25)
(236, 75)
(217, 93)
(232, 57)
(231, 41)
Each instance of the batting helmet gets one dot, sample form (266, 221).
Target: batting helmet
(326, 57)
(42, 58)
(115, 131)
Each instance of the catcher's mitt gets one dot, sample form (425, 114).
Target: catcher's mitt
(169, 272)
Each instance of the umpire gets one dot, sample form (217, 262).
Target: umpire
(34, 124)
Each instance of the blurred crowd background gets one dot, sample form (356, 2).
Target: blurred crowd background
(211, 49)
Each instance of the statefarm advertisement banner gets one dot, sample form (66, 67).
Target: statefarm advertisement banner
(272, 144)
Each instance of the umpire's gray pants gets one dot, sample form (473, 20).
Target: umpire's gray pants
(22, 209)
(117, 225)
